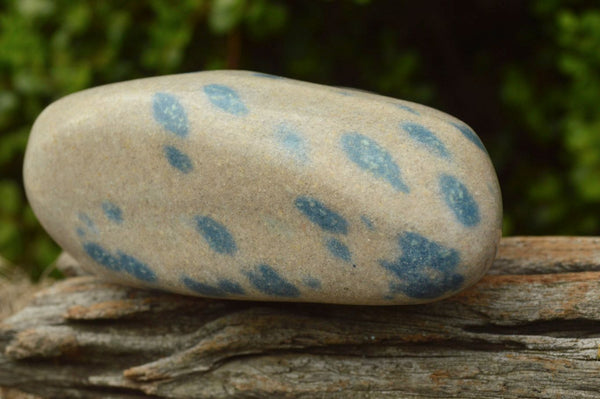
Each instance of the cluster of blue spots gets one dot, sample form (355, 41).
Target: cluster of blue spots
(425, 137)
(89, 223)
(406, 108)
(426, 269)
(269, 282)
(367, 222)
(119, 262)
(339, 249)
(113, 212)
(459, 200)
(224, 287)
(178, 159)
(470, 135)
(293, 142)
(327, 220)
(170, 113)
(320, 215)
(216, 235)
(226, 99)
(370, 156)
(312, 282)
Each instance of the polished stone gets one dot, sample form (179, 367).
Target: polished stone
(233, 184)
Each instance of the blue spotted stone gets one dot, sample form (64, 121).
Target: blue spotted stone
(426, 138)
(425, 269)
(338, 249)
(470, 135)
(320, 215)
(459, 200)
(223, 288)
(112, 212)
(178, 159)
(265, 279)
(225, 98)
(216, 235)
(170, 113)
(237, 185)
(373, 158)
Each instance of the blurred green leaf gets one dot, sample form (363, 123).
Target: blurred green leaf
(225, 15)
(11, 244)
(265, 18)
(11, 198)
(45, 251)
(12, 146)
(32, 9)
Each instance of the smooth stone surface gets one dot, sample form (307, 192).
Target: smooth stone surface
(241, 185)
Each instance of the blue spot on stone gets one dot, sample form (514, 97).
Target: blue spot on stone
(406, 108)
(425, 137)
(120, 262)
(267, 75)
(88, 222)
(230, 287)
(367, 222)
(320, 215)
(293, 142)
(426, 269)
(469, 134)
(170, 114)
(269, 282)
(224, 287)
(373, 158)
(136, 268)
(459, 200)
(225, 98)
(113, 212)
(216, 235)
(102, 256)
(80, 232)
(339, 249)
(312, 282)
(178, 159)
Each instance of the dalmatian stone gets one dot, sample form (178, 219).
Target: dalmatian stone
(241, 185)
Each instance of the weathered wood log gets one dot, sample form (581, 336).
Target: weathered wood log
(531, 328)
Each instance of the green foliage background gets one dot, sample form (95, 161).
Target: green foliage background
(524, 75)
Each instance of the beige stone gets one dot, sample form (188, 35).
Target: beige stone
(242, 185)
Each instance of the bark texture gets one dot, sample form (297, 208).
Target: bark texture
(529, 329)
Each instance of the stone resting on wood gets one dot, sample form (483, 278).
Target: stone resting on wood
(530, 328)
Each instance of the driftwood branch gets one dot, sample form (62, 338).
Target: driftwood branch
(531, 328)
